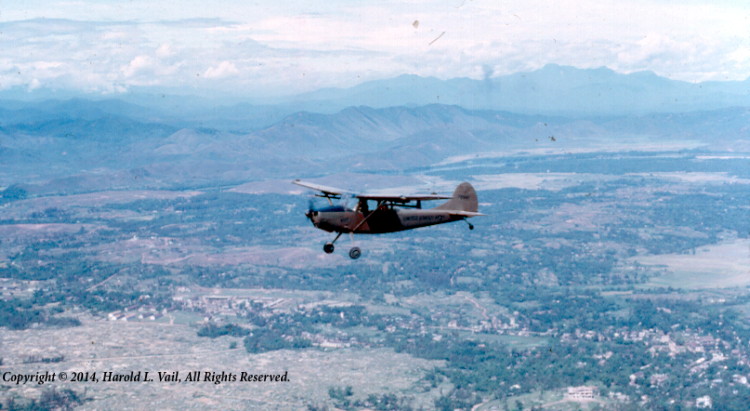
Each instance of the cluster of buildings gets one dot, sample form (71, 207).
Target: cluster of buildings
(225, 305)
(212, 305)
(137, 313)
(12, 288)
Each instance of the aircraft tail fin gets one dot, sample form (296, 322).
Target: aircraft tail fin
(464, 199)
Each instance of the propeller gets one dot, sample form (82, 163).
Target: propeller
(310, 208)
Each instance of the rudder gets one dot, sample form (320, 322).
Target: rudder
(464, 199)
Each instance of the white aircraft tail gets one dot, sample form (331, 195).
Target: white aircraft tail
(464, 199)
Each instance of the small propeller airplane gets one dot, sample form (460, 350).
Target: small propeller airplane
(391, 212)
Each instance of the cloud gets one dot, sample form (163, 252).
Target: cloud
(165, 51)
(138, 64)
(224, 69)
(296, 46)
(34, 84)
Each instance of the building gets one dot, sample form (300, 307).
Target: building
(582, 393)
(704, 402)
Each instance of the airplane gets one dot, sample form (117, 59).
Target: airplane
(391, 212)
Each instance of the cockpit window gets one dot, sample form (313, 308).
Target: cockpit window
(334, 208)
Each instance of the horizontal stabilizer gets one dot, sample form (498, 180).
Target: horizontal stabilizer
(464, 213)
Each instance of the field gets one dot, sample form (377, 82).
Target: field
(590, 269)
(722, 265)
(99, 345)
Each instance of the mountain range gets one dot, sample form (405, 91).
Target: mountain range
(551, 90)
(83, 144)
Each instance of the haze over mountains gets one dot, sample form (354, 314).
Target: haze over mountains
(149, 140)
(553, 89)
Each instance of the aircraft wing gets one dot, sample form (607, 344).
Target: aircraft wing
(333, 191)
(326, 190)
(403, 198)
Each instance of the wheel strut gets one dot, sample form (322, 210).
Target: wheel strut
(328, 247)
(471, 226)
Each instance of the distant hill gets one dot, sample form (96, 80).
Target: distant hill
(552, 89)
(151, 139)
(80, 145)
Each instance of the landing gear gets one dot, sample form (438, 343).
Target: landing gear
(471, 226)
(328, 247)
(354, 252)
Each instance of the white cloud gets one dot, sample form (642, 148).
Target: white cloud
(164, 51)
(297, 45)
(138, 64)
(224, 69)
(34, 84)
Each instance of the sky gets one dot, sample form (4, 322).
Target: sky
(267, 48)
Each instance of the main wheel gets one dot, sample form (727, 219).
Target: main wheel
(328, 248)
(354, 253)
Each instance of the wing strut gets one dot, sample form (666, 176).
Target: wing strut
(368, 217)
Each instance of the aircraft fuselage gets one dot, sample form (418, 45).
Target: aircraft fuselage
(378, 221)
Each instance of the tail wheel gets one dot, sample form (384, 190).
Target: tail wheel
(328, 248)
(355, 253)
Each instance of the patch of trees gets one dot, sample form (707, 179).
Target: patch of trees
(493, 369)
(223, 216)
(12, 193)
(457, 399)
(343, 398)
(284, 330)
(212, 330)
(19, 314)
(50, 399)
(568, 311)
(44, 360)
(269, 339)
